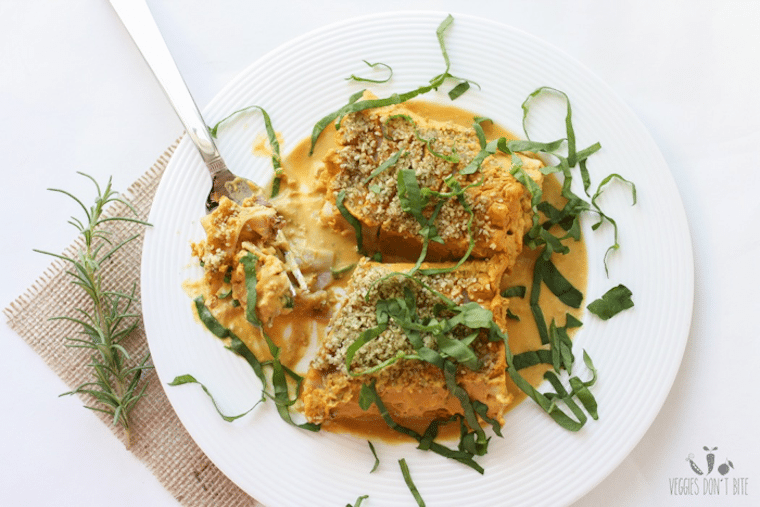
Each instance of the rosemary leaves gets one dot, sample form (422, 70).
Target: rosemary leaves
(109, 316)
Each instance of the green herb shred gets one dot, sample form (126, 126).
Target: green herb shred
(274, 144)
(568, 217)
(356, 78)
(374, 453)
(612, 302)
(368, 396)
(410, 483)
(358, 502)
(189, 379)
(518, 291)
(355, 223)
(280, 374)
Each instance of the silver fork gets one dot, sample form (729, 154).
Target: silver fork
(136, 17)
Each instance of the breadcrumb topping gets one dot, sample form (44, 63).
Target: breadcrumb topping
(500, 204)
(372, 282)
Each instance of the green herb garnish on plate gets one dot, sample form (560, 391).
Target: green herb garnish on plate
(612, 302)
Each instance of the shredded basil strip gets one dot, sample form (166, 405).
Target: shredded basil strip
(470, 247)
(518, 291)
(363, 338)
(280, 373)
(374, 453)
(281, 395)
(571, 321)
(209, 320)
(473, 441)
(273, 143)
(479, 132)
(519, 145)
(582, 156)
(561, 348)
(558, 284)
(359, 501)
(603, 216)
(439, 33)
(579, 390)
(582, 391)
(606, 180)
(357, 105)
(459, 90)
(458, 350)
(352, 220)
(482, 410)
(236, 344)
(535, 308)
(561, 394)
(369, 396)
(477, 160)
(249, 268)
(189, 379)
(546, 401)
(356, 78)
(453, 158)
(338, 273)
(240, 348)
(410, 483)
(584, 395)
(532, 358)
(390, 162)
(558, 355)
(612, 302)
(414, 200)
(410, 196)
(324, 122)
(568, 216)
(571, 148)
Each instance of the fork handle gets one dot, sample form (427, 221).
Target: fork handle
(136, 17)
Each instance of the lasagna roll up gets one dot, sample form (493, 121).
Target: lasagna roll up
(411, 389)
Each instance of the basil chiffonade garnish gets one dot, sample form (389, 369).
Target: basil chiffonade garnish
(280, 373)
(274, 144)
(453, 352)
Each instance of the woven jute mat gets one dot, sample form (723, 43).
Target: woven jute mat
(159, 440)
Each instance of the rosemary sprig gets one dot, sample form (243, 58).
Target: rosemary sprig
(116, 385)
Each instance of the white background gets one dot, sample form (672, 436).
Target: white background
(75, 95)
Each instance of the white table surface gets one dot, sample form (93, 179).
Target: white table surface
(75, 95)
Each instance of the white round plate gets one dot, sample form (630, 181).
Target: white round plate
(536, 463)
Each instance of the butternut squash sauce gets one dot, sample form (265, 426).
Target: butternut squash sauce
(299, 331)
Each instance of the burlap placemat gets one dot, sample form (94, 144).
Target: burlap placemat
(159, 440)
